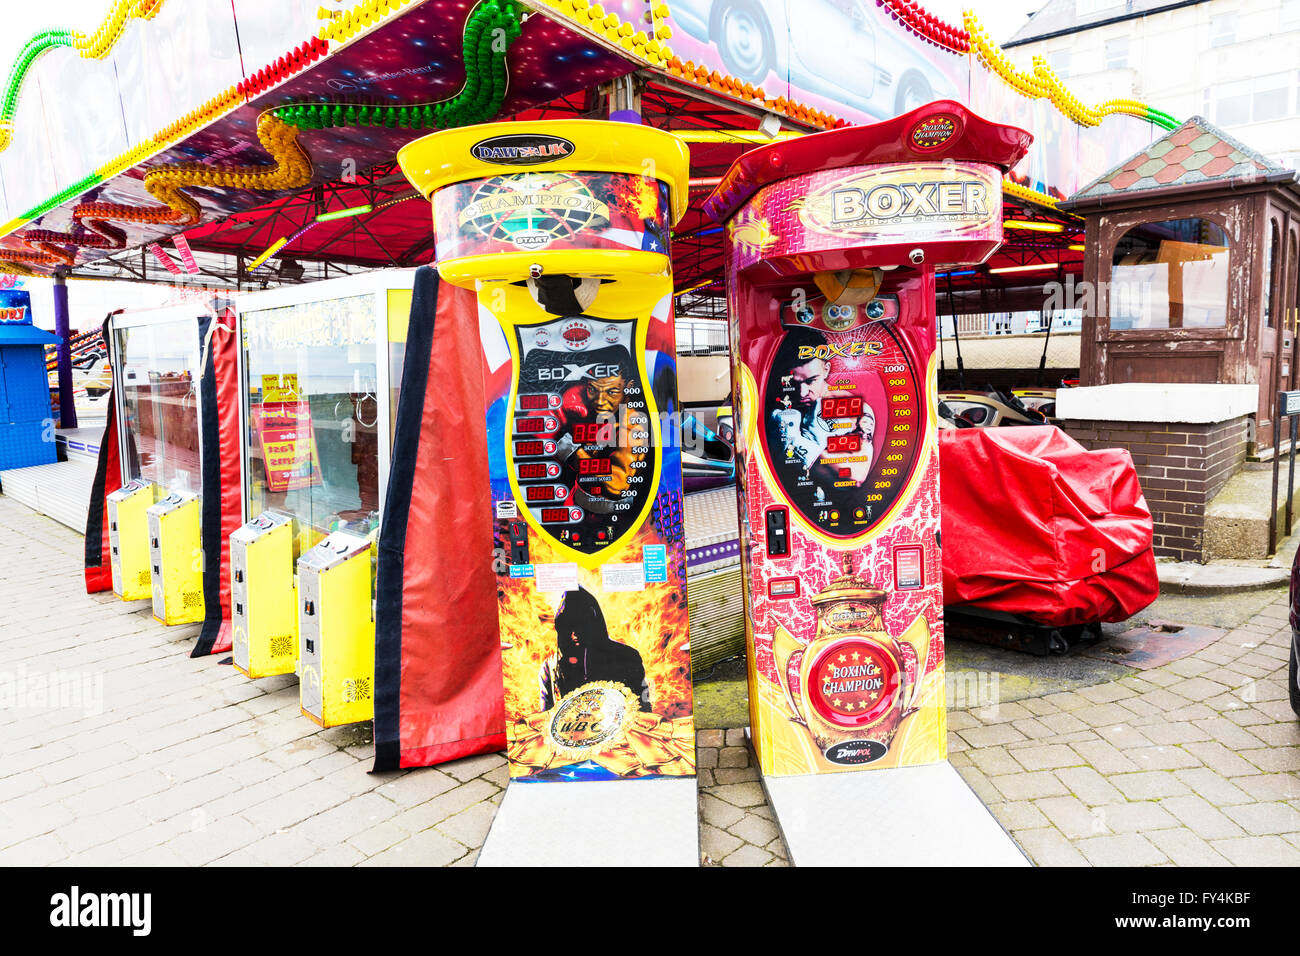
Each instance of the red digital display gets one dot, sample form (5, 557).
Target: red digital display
(541, 493)
(555, 514)
(528, 425)
(523, 448)
(595, 432)
(843, 444)
(534, 402)
(850, 407)
(593, 466)
(536, 469)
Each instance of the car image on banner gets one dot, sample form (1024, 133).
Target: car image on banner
(841, 56)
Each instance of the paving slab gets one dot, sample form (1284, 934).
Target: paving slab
(596, 823)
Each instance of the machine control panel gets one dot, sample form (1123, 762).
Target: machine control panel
(778, 538)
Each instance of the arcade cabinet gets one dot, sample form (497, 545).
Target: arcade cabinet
(562, 230)
(264, 598)
(336, 630)
(154, 517)
(832, 242)
(128, 538)
(318, 390)
(175, 558)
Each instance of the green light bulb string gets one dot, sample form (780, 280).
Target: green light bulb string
(490, 30)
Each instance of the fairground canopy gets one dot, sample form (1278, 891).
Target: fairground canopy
(228, 142)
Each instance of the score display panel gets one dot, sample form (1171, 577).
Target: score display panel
(842, 424)
(589, 545)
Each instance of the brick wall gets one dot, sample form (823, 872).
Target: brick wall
(1181, 467)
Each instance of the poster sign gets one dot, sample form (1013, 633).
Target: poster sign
(278, 389)
(15, 307)
(288, 445)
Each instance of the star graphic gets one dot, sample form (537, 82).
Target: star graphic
(842, 658)
(837, 702)
(855, 655)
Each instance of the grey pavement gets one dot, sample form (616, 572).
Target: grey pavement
(117, 748)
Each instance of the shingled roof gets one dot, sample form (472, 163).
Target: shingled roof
(1196, 152)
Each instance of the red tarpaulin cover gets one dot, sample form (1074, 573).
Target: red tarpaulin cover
(1035, 524)
(438, 689)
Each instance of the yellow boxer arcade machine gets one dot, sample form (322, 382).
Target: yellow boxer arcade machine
(563, 230)
(832, 245)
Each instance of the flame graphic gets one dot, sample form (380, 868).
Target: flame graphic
(652, 621)
(751, 234)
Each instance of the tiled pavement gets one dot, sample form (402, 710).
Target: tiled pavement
(1193, 763)
(117, 748)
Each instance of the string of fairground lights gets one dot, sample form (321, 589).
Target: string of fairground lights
(342, 27)
(479, 99)
(1043, 83)
(278, 128)
(94, 46)
(910, 15)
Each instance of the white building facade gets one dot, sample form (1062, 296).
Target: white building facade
(1234, 62)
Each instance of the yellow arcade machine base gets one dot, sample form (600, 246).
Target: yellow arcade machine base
(336, 631)
(176, 558)
(563, 231)
(128, 538)
(264, 595)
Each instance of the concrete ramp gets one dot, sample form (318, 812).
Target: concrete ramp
(908, 816)
(596, 823)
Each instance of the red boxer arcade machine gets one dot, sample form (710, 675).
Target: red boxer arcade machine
(833, 241)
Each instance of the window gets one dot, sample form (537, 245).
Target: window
(1170, 275)
(158, 374)
(1270, 277)
(1232, 110)
(1117, 53)
(1059, 62)
(312, 444)
(1223, 30)
(1257, 100)
(1269, 104)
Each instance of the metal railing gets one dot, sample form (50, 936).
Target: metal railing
(1288, 406)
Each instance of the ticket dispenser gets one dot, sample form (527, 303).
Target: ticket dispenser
(176, 558)
(128, 538)
(264, 595)
(563, 230)
(336, 630)
(832, 241)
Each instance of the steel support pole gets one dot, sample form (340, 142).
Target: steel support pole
(62, 328)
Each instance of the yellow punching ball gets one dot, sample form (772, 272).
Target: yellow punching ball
(849, 286)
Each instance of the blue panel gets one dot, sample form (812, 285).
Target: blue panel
(26, 384)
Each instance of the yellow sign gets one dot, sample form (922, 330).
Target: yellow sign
(280, 388)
